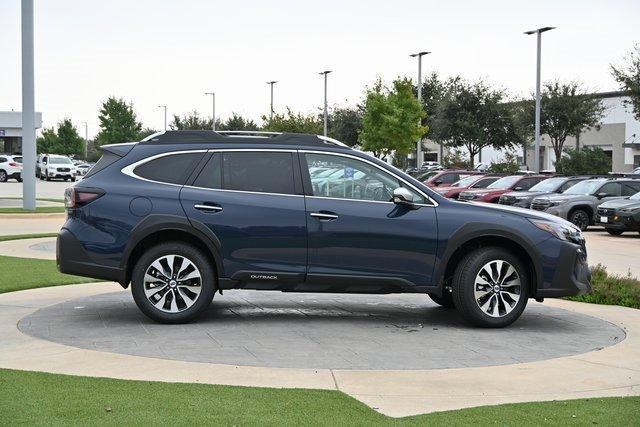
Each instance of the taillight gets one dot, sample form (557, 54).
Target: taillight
(14, 164)
(77, 197)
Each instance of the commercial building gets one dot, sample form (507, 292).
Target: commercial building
(11, 131)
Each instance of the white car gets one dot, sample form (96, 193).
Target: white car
(54, 166)
(10, 167)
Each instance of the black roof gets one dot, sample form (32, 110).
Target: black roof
(239, 137)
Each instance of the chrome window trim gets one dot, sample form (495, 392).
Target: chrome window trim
(242, 191)
(129, 170)
(331, 153)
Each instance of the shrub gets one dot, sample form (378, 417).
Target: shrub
(455, 160)
(508, 164)
(611, 289)
(586, 161)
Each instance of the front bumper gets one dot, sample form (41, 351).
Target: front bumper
(71, 258)
(565, 270)
(619, 221)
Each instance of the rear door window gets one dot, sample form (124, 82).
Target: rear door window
(630, 188)
(260, 171)
(611, 189)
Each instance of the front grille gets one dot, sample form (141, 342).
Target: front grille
(507, 200)
(64, 170)
(606, 212)
(539, 205)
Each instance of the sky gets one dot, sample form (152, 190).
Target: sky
(167, 52)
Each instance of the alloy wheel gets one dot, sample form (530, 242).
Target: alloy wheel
(497, 288)
(580, 219)
(172, 283)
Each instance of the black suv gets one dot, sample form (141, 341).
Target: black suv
(183, 215)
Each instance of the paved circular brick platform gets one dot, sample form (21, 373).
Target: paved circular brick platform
(316, 331)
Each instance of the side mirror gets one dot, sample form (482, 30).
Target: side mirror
(517, 189)
(601, 195)
(402, 196)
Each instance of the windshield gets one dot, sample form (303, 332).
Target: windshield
(585, 187)
(505, 182)
(465, 182)
(60, 160)
(550, 184)
(426, 176)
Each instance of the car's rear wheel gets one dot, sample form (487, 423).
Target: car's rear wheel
(173, 282)
(446, 300)
(614, 232)
(580, 218)
(490, 287)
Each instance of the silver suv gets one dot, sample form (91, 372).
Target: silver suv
(579, 203)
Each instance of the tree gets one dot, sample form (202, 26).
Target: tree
(345, 124)
(293, 122)
(191, 121)
(455, 160)
(566, 110)
(118, 122)
(474, 116)
(145, 132)
(391, 121)
(65, 140)
(237, 122)
(586, 161)
(628, 76)
(508, 164)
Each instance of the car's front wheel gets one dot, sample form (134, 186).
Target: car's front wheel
(580, 218)
(490, 287)
(173, 282)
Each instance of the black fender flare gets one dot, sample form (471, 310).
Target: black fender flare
(164, 222)
(471, 231)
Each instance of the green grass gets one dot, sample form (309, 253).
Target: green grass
(26, 236)
(41, 209)
(33, 273)
(611, 289)
(35, 398)
(46, 199)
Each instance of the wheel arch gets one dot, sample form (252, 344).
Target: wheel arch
(155, 229)
(585, 207)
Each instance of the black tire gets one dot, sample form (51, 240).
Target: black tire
(207, 283)
(446, 300)
(73, 179)
(47, 177)
(614, 232)
(3, 176)
(464, 286)
(580, 218)
(19, 179)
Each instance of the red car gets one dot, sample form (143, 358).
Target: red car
(448, 177)
(492, 193)
(469, 183)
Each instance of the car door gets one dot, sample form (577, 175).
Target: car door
(252, 201)
(359, 240)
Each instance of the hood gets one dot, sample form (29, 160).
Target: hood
(554, 196)
(484, 190)
(444, 189)
(621, 203)
(526, 213)
(526, 193)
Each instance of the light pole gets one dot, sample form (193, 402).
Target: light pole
(419, 55)
(28, 110)
(271, 83)
(86, 139)
(325, 73)
(536, 147)
(213, 107)
(165, 115)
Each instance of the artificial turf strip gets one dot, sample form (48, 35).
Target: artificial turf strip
(36, 398)
(26, 273)
(26, 236)
(42, 209)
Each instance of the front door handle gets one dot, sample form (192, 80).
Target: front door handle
(324, 216)
(209, 208)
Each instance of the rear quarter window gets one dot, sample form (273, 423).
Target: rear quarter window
(169, 169)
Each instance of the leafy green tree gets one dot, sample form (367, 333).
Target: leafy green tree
(566, 109)
(293, 122)
(345, 124)
(64, 140)
(508, 164)
(474, 116)
(586, 161)
(118, 122)
(191, 121)
(391, 121)
(628, 76)
(455, 159)
(237, 122)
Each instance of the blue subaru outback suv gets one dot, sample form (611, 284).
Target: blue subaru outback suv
(182, 215)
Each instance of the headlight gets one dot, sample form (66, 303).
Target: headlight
(557, 202)
(560, 230)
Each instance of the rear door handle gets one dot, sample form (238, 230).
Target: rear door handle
(209, 208)
(326, 216)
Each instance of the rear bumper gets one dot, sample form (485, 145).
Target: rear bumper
(71, 258)
(571, 275)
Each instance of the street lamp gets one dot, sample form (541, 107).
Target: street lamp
(536, 147)
(213, 109)
(325, 73)
(271, 83)
(165, 115)
(86, 139)
(419, 55)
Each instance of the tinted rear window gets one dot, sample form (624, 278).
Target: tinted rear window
(264, 172)
(170, 169)
(106, 160)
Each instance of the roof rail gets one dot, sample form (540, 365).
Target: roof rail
(332, 141)
(257, 133)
